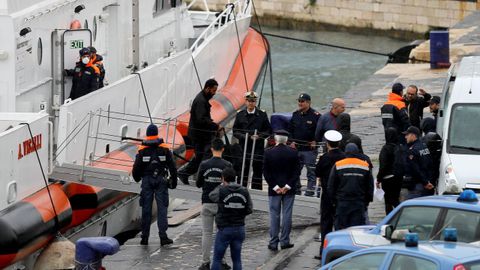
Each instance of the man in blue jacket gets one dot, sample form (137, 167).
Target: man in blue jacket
(280, 169)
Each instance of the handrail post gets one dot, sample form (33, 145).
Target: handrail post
(244, 157)
(250, 168)
(86, 147)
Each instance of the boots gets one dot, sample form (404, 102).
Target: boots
(165, 241)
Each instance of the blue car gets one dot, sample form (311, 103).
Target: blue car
(427, 216)
(430, 255)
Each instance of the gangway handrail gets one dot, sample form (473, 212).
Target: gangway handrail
(216, 24)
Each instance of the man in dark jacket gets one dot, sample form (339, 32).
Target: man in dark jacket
(97, 60)
(85, 75)
(322, 171)
(208, 178)
(280, 168)
(328, 121)
(351, 186)
(344, 126)
(152, 165)
(434, 107)
(418, 166)
(302, 136)
(234, 203)
(394, 113)
(433, 141)
(201, 129)
(388, 178)
(416, 103)
(249, 120)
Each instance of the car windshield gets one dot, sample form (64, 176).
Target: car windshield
(467, 224)
(418, 219)
(472, 265)
(464, 129)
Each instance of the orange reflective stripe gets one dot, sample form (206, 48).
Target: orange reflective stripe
(352, 163)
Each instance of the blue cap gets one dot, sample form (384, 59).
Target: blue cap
(281, 132)
(152, 130)
(304, 96)
(411, 239)
(467, 195)
(450, 234)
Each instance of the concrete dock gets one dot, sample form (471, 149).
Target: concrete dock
(363, 101)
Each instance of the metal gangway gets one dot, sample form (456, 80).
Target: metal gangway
(87, 171)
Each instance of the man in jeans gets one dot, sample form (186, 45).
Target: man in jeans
(208, 178)
(234, 203)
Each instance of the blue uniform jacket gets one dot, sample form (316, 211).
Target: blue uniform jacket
(281, 167)
(302, 128)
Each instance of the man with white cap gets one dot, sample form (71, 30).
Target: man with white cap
(322, 171)
(280, 168)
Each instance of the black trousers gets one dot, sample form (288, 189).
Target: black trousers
(257, 167)
(349, 213)
(202, 152)
(327, 216)
(392, 187)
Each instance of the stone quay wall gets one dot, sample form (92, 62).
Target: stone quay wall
(409, 16)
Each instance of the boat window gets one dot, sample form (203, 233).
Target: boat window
(39, 51)
(464, 129)
(160, 6)
(95, 28)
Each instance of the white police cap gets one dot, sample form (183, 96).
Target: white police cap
(333, 136)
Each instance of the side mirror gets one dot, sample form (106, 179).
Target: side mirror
(386, 231)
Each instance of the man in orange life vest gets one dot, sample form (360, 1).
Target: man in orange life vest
(394, 113)
(85, 75)
(151, 165)
(97, 60)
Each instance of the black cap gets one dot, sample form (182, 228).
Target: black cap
(92, 50)
(282, 132)
(397, 88)
(304, 96)
(412, 130)
(435, 100)
(84, 51)
(152, 130)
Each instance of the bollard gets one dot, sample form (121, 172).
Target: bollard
(90, 251)
(439, 49)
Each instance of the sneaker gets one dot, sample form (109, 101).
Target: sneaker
(183, 178)
(225, 266)
(165, 241)
(318, 257)
(204, 266)
(144, 241)
(287, 246)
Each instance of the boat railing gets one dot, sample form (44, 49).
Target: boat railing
(235, 10)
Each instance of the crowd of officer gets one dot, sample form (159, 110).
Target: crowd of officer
(88, 74)
(342, 174)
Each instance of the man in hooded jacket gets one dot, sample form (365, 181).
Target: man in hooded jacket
(388, 178)
(344, 126)
(394, 112)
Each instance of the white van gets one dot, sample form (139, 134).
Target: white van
(459, 125)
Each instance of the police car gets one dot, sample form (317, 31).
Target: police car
(413, 255)
(427, 216)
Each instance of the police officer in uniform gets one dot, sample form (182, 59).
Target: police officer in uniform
(322, 171)
(85, 75)
(394, 112)
(350, 185)
(249, 120)
(302, 135)
(152, 165)
(418, 166)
